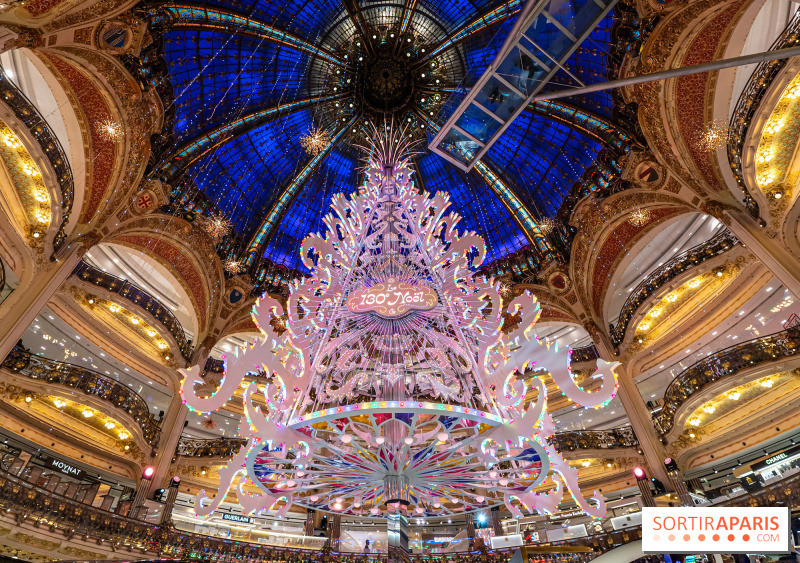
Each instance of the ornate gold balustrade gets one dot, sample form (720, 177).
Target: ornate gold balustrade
(139, 297)
(26, 112)
(750, 101)
(725, 363)
(22, 362)
(785, 492)
(662, 275)
(585, 354)
(216, 447)
(596, 439)
(33, 504)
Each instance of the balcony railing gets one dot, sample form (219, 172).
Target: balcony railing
(27, 501)
(21, 361)
(595, 439)
(750, 101)
(785, 492)
(139, 297)
(585, 354)
(728, 361)
(719, 244)
(26, 112)
(216, 447)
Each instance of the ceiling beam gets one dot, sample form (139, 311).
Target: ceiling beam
(284, 201)
(518, 210)
(354, 12)
(601, 129)
(499, 14)
(198, 16)
(590, 124)
(176, 162)
(408, 11)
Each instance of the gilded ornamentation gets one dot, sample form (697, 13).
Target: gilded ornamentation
(34, 541)
(29, 184)
(140, 115)
(655, 54)
(81, 553)
(82, 36)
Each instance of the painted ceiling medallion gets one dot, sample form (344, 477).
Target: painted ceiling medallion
(364, 410)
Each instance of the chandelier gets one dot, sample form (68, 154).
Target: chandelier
(639, 217)
(233, 266)
(315, 140)
(547, 225)
(111, 130)
(217, 226)
(395, 380)
(714, 137)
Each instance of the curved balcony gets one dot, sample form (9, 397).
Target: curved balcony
(585, 354)
(727, 362)
(22, 362)
(26, 112)
(750, 101)
(785, 492)
(595, 439)
(138, 297)
(719, 244)
(26, 501)
(215, 447)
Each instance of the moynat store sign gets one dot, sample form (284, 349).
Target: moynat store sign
(64, 467)
(716, 530)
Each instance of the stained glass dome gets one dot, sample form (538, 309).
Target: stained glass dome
(250, 79)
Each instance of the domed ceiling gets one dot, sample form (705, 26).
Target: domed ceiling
(250, 78)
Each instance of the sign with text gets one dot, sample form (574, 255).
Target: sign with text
(392, 299)
(64, 467)
(776, 459)
(700, 529)
(236, 518)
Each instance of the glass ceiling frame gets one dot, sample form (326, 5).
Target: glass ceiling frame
(504, 89)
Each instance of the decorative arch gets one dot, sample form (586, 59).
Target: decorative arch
(673, 113)
(187, 253)
(612, 250)
(32, 70)
(596, 223)
(93, 109)
(639, 247)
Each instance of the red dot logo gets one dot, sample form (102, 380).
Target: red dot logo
(671, 537)
(746, 537)
(701, 537)
(716, 537)
(686, 537)
(731, 537)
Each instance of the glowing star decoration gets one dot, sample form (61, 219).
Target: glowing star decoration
(315, 141)
(424, 405)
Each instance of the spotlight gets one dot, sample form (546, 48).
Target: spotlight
(148, 472)
(639, 473)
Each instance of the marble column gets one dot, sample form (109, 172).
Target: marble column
(770, 251)
(641, 422)
(20, 308)
(171, 429)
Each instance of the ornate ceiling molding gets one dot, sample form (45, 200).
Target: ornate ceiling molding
(179, 160)
(188, 15)
(493, 17)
